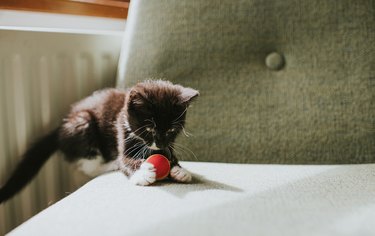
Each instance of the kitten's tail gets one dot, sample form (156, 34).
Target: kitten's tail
(32, 161)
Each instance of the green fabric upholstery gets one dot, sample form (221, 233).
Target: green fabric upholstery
(281, 81)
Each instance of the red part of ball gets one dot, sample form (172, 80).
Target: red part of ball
(161, 164)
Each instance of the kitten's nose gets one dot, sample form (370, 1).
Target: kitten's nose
(160, 144)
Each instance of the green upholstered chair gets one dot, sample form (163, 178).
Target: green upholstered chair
(289, 82)
(280, 81)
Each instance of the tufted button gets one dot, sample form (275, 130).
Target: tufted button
(275, 61)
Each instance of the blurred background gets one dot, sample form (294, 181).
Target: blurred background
(52, 53)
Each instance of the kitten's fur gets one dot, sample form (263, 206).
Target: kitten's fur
(114, 130)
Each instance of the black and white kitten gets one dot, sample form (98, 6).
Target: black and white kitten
(113, 130)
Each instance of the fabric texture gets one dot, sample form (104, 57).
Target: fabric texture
(319, 107)
(225, 199)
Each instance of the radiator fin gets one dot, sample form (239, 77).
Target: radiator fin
(41, 74)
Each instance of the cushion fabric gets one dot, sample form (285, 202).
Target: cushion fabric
(225, 199)
(281, 81)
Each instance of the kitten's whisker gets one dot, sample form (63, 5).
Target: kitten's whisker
(138, 135)
(143, 154)
(130, 138)
(133, 132)
(178, 124)
(183, 147)
(152, 121)
(180, 115)
(139, 153)
(133, 146)
(131, 149)
(186, 133)
(130, 152)
(139, 128)
(177, 152)
(182, 152)
(146, 152)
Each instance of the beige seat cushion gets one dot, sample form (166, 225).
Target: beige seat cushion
(225, 199)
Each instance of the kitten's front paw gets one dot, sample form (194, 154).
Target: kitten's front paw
(180, 174)
(146, 175)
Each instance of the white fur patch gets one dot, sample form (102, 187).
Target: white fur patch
(180, 174)
(96, 166)
(146, 175)
(120, 138)
(126, 124)
(154, 147)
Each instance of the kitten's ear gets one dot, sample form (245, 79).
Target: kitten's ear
(188, 94)
(135, 98)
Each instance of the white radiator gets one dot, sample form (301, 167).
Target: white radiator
(41, 74)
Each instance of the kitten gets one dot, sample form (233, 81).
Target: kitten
(114, 130)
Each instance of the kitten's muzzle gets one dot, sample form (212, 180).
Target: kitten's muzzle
(153, 146)
(160, 142)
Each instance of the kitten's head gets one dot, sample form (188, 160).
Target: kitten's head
(157, 110)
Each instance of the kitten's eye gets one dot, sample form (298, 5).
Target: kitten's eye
(171, 130)
(150, 130)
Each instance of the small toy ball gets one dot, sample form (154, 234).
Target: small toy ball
(161, 164)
